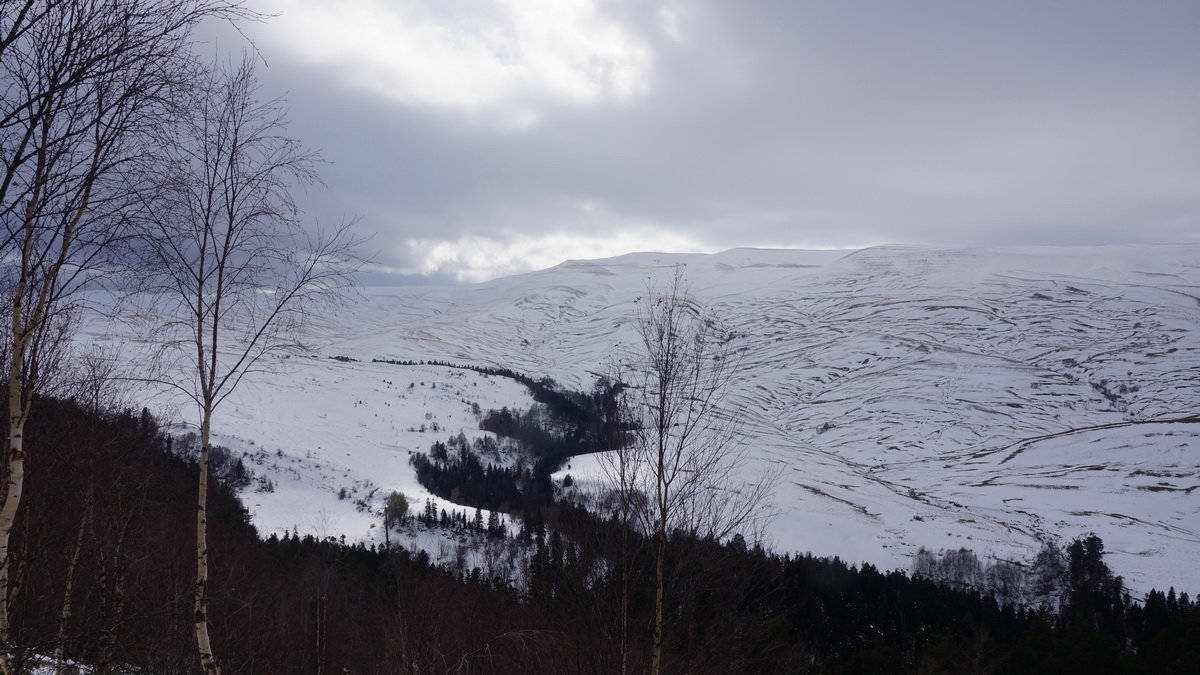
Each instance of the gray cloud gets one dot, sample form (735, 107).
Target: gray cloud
(793, 123)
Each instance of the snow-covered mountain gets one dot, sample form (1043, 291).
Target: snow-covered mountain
(978, 398)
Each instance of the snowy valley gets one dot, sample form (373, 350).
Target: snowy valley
(990, 399)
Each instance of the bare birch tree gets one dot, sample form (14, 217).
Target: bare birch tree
(686, 457)
(81, 83)
(240, 275)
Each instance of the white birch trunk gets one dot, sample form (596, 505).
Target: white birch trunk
(8, 514)
(203, 643)
(16, 477)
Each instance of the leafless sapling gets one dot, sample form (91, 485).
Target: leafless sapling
(686, 455)
(239, 274)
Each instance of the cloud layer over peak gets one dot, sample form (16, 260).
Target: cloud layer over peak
(524, 132)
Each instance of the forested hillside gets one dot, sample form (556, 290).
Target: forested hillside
(107, 582)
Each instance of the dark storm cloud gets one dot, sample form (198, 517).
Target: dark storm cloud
(792, 123)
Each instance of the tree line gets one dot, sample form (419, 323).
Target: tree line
(108, 582)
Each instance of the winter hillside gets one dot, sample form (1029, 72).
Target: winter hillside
(978, 398)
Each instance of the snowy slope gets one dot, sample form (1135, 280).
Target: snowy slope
(911, 397)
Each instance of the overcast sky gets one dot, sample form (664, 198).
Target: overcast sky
(477, 138)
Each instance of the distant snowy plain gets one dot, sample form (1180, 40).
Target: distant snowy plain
(989, 399)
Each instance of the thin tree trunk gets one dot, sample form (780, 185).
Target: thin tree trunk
(662, 487)
(321, 628)
(64, 618)
(624, 583)
(660, 554)
(207, 661)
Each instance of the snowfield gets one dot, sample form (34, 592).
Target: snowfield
(979, 398)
